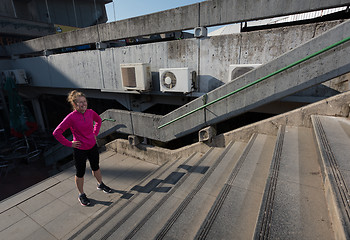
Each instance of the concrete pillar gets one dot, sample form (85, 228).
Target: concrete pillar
(133, 140)
(38, 114)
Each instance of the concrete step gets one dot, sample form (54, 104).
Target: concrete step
(135, 200)
(333, 141)
(88, 230)
(294, 205)
(121, 174)
(268, 188)
(234, 213)
(124, 174)
(194, 173)
(185, 220)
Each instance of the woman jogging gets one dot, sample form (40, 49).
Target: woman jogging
(81, 123)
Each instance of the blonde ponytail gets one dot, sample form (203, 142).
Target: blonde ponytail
(72, 97)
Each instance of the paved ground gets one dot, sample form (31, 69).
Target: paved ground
(24, 176)
(50, 209)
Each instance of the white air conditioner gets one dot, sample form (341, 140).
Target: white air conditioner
(19, 75)
(236, 70)
(175, 80)
(136, 76)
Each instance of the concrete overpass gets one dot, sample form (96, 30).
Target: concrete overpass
(204, 14)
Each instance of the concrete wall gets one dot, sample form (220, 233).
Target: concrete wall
(319, 69)
(62, 12)
(210, 57)
(10, 27)
(209, 13)
(6, 64)
(57, 11)
(6, 8)
(260, 47)
(334, 106)
(230, 11)
(128, 122)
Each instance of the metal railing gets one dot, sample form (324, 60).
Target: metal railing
(257, 81)
(108, 119)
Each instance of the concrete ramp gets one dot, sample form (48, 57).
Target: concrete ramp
(294, 205)
(333, 141)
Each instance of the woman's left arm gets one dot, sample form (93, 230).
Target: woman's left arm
(98, 121)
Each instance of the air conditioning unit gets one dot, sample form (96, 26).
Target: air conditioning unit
(175, 80)
(19, 75)
(136, 76)
(236, 70)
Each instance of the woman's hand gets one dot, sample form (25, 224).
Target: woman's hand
(76, 144)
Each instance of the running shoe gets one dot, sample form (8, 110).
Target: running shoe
(84, 201)
(104, 188)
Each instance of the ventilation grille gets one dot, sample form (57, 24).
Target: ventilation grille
(169, 80)
(175, 80)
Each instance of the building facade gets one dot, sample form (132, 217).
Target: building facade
(24, 20)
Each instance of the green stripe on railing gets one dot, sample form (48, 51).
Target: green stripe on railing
(108, 119)
(257, 81)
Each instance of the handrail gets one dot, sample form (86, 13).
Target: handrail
(108, 119)
(257, 81)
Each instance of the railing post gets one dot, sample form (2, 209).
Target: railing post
(206, 134)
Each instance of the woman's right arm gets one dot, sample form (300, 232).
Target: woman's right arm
(60, 129)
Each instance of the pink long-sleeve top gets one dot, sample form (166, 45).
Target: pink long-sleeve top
(82, 127)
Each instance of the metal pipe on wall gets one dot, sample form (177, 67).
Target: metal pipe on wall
(48, 11)
(75, 14)
(14, 9)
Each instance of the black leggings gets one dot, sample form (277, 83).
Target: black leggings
(80, 157)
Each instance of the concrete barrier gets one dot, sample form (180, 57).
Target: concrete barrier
(204, 14)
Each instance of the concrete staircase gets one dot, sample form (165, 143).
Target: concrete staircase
(290, 186)
(278, 82)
